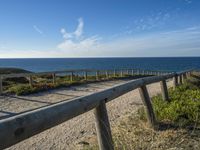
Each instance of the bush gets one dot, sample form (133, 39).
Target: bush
(183, 108)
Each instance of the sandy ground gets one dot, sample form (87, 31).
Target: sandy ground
(69, 134)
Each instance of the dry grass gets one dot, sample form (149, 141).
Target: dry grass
(133, 134)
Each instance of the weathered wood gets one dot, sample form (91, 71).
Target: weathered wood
(103, 127)
(31, 81)
(164, 90)
(132, 72)
(121, 73)
(25, 125)
(71, 76)
(114, 73)
(107, 75)
(97, 75)
(184, 77)
(148, 106)
(22, 126)
(1, 85)
(85, 75)
(180, 79)
(54, 78)
(175, 81)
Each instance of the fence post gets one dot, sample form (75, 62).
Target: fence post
(180, 79)
(97, 75)
(107, 76)
(132, 72)
(1, 85)
(148, 106)
(184, 77)
(103, 127)
(85, 75)
(175, 81)
(31, 81)
(71, 76)
(114, 73)
(54, 78)
(121, 73)
(164, 90)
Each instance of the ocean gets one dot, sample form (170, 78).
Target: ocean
(53, 64)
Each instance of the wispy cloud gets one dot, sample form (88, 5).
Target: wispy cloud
(185, 42)
(73, 43)
(37, 29)
(188, 1)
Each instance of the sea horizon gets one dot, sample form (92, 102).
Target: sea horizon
(148, 63)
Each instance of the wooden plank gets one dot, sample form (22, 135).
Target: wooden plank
(103, 127)
(148, 106)
(164, 90)
(25, 125)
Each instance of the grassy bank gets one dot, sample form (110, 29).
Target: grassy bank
(21, 86)
(178, 120)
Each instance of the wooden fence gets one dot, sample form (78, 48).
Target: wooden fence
(25, 125)
(83, 73)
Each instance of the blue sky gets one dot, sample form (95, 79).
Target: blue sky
(99, 28)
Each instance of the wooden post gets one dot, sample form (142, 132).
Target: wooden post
(175, 81)
(103, 127)
(121, 73)
(97, 75)
(164, 90)
(31, 81)
(85, 75)
(1, 85)
(107, 76)
(148, 106)
(180, 79)
(54, 78)
(184, 77)
(114, 73)
(132, 72)
(71, 76)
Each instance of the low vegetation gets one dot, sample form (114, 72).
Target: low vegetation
(178, 119)
(12, 70)
(21, 86)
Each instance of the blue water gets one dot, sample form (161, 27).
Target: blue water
(53, 64)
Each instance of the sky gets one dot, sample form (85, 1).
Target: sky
(99, 28)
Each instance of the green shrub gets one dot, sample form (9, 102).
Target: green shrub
(183, 108)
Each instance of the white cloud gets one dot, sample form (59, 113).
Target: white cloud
(76, 34)
(79, 30)
(74, 44)
(37, 29)
(184, 42)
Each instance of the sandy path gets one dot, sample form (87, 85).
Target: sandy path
(68, 134)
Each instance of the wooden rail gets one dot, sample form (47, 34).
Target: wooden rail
(20, 127)
(106, 73)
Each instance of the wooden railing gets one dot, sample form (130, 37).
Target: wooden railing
(20, 127)
(83, 73)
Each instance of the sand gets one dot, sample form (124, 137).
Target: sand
(69, 134)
